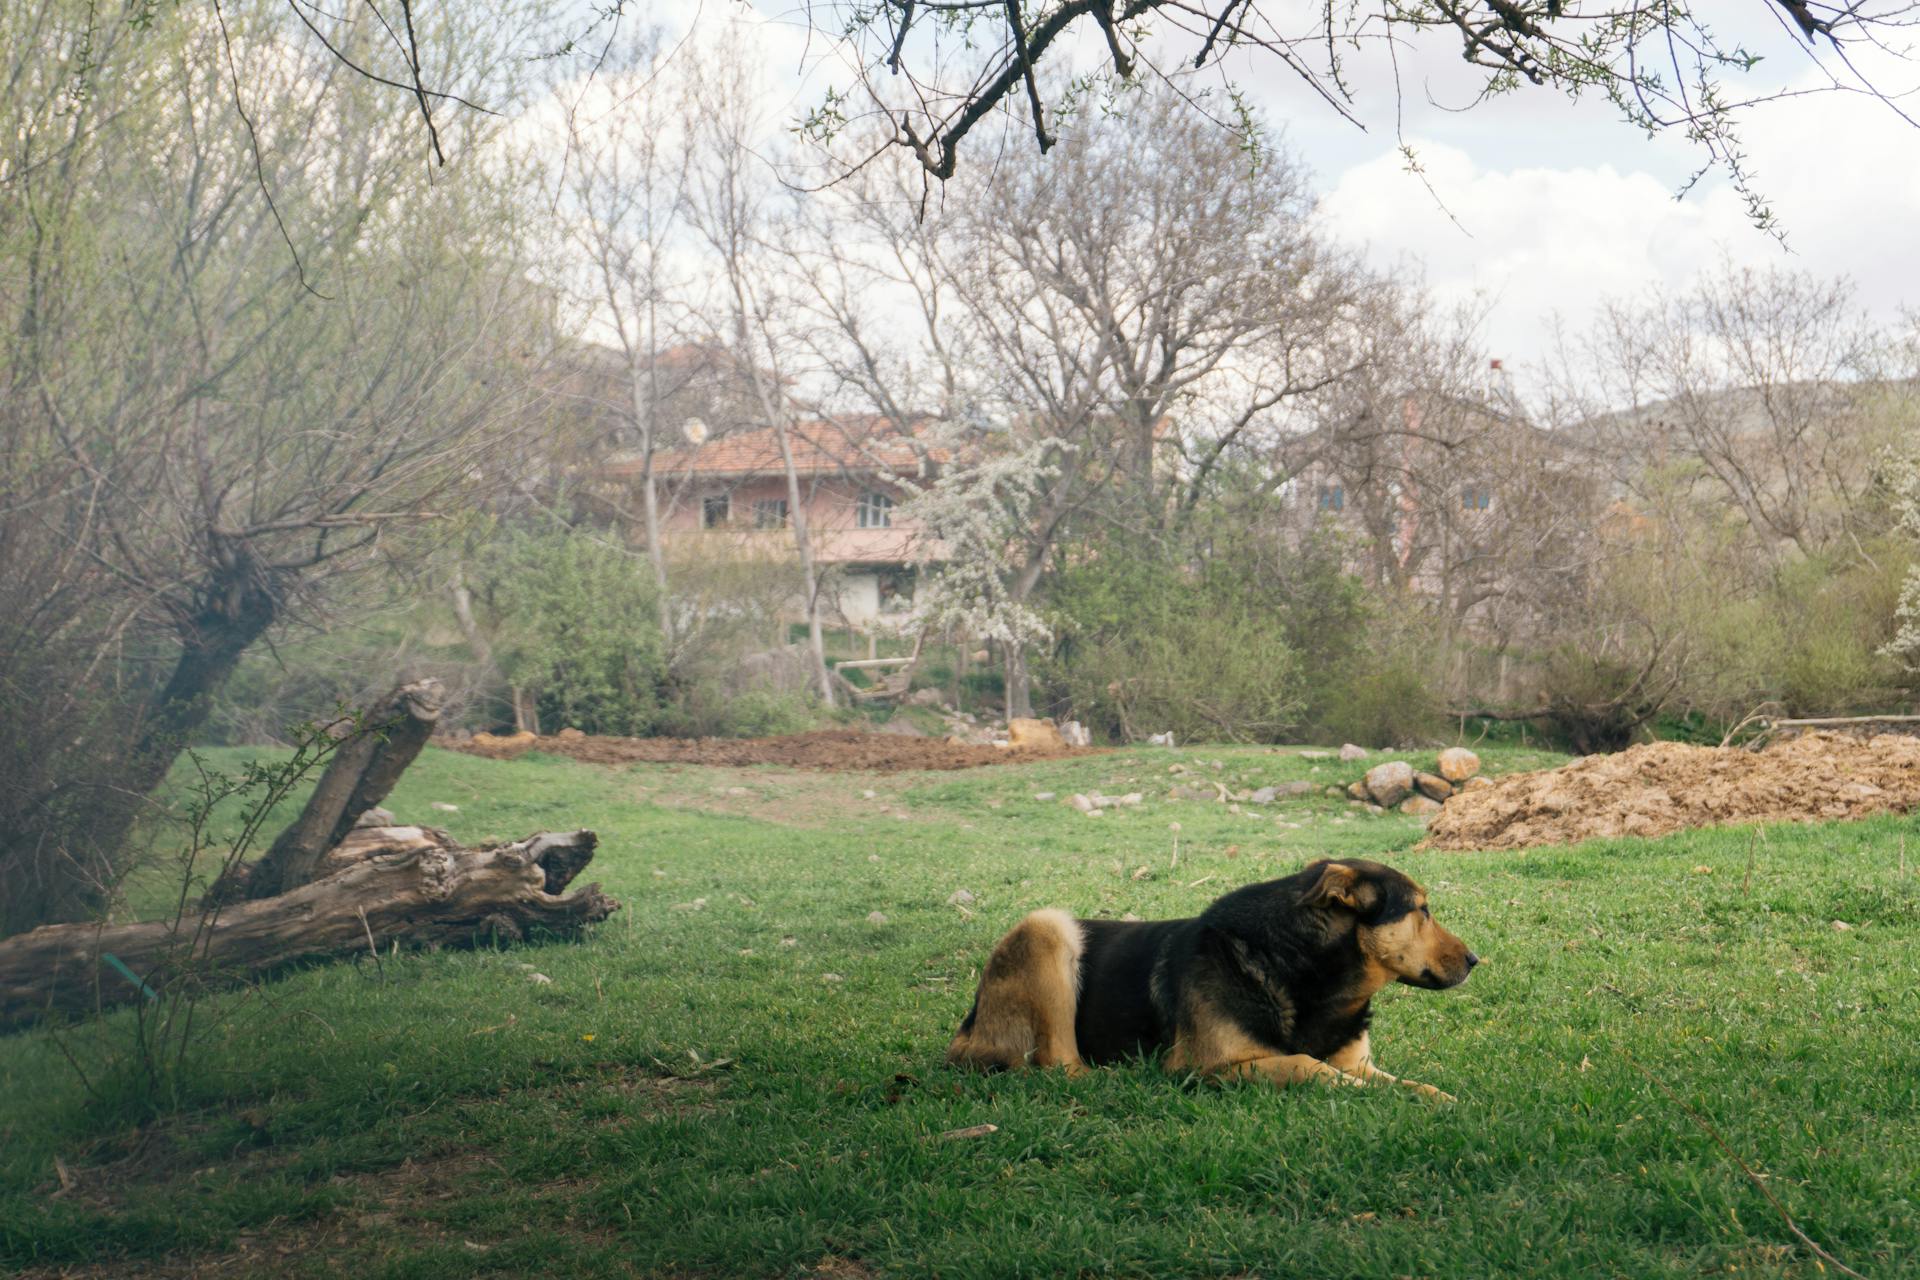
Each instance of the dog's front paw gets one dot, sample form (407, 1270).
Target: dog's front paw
(1428, 1091)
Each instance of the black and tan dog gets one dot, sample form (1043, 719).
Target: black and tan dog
(1273, 980)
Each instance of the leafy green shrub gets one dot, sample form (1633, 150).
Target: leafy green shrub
(1150, 646)
(708, 709)
(1380, 693)
(1837, 622)
(576, 622)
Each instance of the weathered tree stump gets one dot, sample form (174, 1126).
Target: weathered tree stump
(413, 884)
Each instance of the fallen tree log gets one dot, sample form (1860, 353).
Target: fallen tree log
(384, 740)
(413, 884)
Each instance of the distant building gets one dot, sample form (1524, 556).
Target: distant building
(854, 479)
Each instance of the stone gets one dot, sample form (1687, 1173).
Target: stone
(1390, 783)
(1080, 802)
(1161, 739)
(1299, 788)
(960, 898)
(444, 807)
(1043, 795)
(1075, 734)
(375, 817)
(876, 917)
(1478, 782)
(927, 697)
(570, 733)
(1420, 806)
(1457, 764)
(1025, 732)
(1348, 751)
(1432, 786)
(1265, 795)
(901, 727)
(1356, 791)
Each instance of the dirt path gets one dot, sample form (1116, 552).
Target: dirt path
(835, 750)
(1668, 786)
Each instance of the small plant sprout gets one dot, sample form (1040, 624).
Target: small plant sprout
(1175, 828)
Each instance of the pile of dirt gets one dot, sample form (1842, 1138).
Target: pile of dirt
(1669, 786)
(838, 750)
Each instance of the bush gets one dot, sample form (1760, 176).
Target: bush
(1381, 692)
(576, 622)
(1150, 646)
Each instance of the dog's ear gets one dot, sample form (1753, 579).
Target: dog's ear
(1339, 885)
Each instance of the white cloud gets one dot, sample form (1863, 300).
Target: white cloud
(1532, 241)
(1539, 238)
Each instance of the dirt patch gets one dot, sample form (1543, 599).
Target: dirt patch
(837, 750)
(1668, 786)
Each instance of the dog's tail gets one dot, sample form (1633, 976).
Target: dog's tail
(1024, 1009)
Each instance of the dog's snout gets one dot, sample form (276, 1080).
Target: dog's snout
(1472, 960)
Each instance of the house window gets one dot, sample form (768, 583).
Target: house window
(770, 513)
(1476, 498)
(1332, 497)
(715, 511)
(896, 590)
(875, 511)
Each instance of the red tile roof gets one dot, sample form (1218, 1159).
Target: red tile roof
(819, 448)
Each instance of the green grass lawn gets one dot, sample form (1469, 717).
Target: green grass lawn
(739, 1074)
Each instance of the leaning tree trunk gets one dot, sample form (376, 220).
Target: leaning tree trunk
(409, 884)
(363, 769)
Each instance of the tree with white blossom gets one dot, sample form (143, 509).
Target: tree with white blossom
(1903, 480)
(986, 521)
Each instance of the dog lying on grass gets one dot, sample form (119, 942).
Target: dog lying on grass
(1274, 980)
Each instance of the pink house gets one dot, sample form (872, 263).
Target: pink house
(852, 483)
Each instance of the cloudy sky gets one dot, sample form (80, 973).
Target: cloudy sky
(1537, 206)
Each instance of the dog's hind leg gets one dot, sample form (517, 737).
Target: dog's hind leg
(1028, 996)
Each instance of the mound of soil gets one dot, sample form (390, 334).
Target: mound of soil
(1669, 786)
(839, 750)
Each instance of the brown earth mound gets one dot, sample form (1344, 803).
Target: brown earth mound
(829, 749)
(1668, 786)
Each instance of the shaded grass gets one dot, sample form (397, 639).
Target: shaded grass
(738, 1074)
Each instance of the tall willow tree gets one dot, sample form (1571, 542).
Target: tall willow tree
(246, 333)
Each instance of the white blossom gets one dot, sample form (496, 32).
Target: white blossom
(976, 513)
